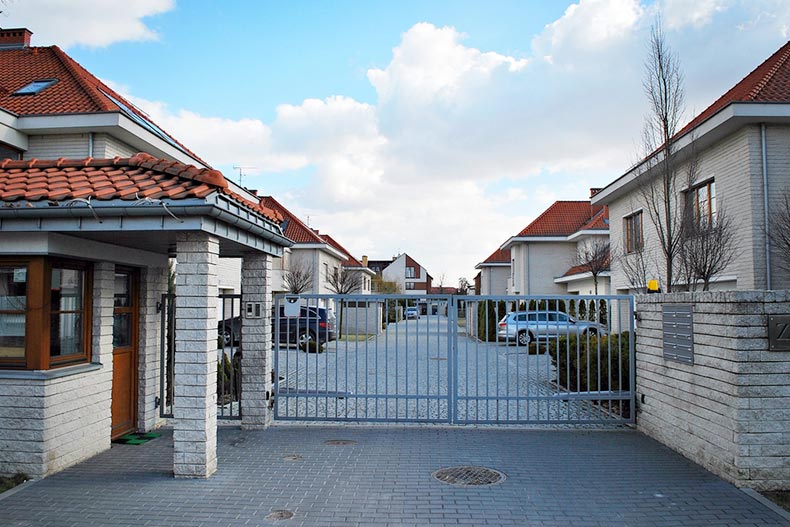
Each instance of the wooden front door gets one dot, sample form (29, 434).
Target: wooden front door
(124, 352)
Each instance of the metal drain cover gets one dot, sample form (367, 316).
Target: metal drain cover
(279, 515)
(438, 358)
(467, 476)
(292, 457)
(340, 442)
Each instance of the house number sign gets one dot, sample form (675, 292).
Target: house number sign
(779, 332)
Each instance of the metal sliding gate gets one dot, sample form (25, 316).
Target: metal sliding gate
(454, 359)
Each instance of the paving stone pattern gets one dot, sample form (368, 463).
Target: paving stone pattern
(553, 478)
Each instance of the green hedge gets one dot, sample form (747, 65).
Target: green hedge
(489, 314)
(564, 353)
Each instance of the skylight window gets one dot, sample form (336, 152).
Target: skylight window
(35, 87)
(142, 121)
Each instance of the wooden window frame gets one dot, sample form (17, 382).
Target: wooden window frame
(39, 311)
(633, 243)
(693, 200)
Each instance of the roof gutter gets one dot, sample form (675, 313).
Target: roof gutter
(174, 208)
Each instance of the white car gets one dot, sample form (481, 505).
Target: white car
(525, 327)
(412, 312)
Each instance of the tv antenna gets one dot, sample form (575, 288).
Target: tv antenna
(241, 170)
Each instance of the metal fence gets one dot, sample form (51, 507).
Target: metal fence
(462, 359)
(229, 354)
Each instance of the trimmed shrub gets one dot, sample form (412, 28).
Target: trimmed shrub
(580, 361)
(489, 313)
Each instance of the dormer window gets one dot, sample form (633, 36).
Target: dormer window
(35, 87)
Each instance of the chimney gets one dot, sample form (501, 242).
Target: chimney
(15, 38)
(364, 261)
(594, 191)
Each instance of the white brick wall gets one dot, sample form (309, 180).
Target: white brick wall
(70, 146)
(730, 411)
(735, 163)
(257, 362)
(195, 405)
(107, 147)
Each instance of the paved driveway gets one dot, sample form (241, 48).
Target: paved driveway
(560, 478)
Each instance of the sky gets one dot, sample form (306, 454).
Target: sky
(435, 128)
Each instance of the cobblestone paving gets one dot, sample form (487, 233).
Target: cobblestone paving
(553, 478)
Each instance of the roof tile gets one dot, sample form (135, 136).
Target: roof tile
(562, 218)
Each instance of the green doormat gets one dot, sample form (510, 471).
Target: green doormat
(137, 438)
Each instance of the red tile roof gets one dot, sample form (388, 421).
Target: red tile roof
(444, 290)
(76, 91)
(579, 269)
(141, 176)
(498, 256)
(562, 218)
(767, 83)
(350, 261)
(295, 229)
(598, 222)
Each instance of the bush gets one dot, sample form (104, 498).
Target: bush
(572, 363)
(489, 313)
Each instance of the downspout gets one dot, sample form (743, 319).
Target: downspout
(90, 144)
(765, 207)
(529, 282)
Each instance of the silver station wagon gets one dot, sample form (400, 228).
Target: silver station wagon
(525, 327)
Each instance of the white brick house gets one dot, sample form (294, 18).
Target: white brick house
(742, 146)
(87, 228)
(543, 254)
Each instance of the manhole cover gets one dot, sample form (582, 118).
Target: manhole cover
(438, 358)
(292, 457)
(340, 442)
(279, 515)
(469, 476)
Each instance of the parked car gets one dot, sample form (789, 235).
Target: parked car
(412, 312)
(525, 327)
(313, 325)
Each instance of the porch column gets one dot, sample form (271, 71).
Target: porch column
(256, 338)
(195, 405)
(103, 287)
(153, 284)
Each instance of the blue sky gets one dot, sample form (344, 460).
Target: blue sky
(435, 128)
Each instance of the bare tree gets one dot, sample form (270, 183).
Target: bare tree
(342, 281)
(593, 258)
(780, 230)
(707, 248)
(636, 266)
(298, 278)
(379, 285)
(663, 85)
(464, 285)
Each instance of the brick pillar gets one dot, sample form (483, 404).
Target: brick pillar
(153, 284)
(256, 338)
(195, 407)
(103, 303)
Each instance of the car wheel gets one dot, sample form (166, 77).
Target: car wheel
(227, 337)
(524, 338)
(307, 342)
(591, 331)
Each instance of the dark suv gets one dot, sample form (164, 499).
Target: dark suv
(309, 331)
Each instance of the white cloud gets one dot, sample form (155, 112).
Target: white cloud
(679, 13)
(587, 27)
(91, 23)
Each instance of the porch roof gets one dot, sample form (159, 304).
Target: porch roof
(122, 200)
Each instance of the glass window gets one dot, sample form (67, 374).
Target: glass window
(35, 87)
(122, 326)
(66, 317)
(409, 272)
(703, 203)
(632, 227)
(13, 304)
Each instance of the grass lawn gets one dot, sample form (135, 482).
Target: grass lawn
(8, 483)
(780, 497)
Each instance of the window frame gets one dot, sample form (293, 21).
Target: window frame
(633, 243)
(39, 311)
(693, 203)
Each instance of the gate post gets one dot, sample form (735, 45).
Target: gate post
(256, 338)
(195, 407)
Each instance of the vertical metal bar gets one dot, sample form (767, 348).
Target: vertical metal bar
(632, 360)
(162, 354)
